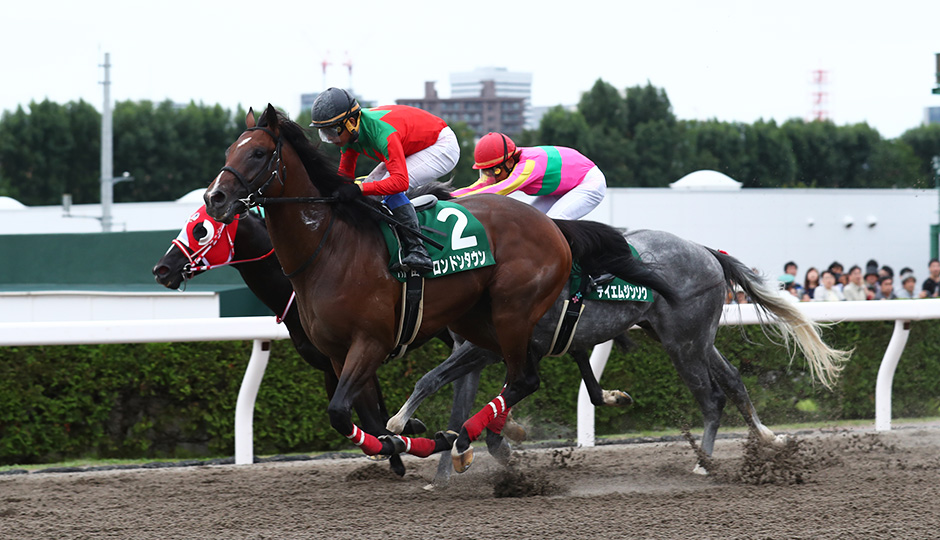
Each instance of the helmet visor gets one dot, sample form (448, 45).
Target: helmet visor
(331, 134)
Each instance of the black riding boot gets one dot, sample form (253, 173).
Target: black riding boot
(414, 255)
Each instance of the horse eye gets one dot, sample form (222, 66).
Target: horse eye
(259, 153)
(199, 231)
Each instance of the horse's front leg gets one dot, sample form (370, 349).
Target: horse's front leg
(360, 366)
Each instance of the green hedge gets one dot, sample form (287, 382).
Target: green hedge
(178, 400)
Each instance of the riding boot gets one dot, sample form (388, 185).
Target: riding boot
(414, 255)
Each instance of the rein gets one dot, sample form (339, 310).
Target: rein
(316, 252)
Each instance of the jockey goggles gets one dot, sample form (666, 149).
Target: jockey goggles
(492, 172)
(330, 134)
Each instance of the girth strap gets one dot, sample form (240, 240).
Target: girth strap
(412, 312)
(568, 322)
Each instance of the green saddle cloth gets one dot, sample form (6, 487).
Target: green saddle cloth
(617, 290)
(466, 246)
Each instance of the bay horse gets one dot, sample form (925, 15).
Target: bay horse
(204, 244)
(349, 302)
(686, 328)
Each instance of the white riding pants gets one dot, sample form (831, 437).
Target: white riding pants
(427, 165)
(578, 202)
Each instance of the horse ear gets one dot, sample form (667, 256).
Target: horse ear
(270, 116)
(250, 118)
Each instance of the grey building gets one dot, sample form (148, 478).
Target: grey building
(932, 115)
(484, 112)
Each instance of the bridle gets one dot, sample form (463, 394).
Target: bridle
(275, 169)
(198, 262)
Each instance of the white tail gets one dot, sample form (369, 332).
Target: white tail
(825, 363)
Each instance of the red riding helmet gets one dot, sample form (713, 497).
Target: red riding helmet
(492, 149)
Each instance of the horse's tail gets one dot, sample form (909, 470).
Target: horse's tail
(600, 249)
(825, 363)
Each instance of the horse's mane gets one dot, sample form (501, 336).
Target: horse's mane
(322, 171)
(442, 190)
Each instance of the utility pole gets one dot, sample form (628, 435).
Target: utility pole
(107, 152)
(935, 229)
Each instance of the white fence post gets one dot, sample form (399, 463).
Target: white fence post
(599, 357)
(245, 406)
(886, 375)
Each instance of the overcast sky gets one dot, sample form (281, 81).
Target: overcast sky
(724, 59)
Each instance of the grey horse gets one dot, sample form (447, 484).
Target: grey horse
(686, 328)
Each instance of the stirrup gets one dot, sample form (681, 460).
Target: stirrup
(422, 266)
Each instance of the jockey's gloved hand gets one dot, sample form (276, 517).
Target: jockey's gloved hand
(348, 192)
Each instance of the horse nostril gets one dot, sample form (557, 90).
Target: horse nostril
(160, 271)
(217, 198)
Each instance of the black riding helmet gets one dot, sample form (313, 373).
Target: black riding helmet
(333, 107)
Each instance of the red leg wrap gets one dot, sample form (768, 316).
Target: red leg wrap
(496, 426)
(419, 446)
(369, 444)
(480, 420)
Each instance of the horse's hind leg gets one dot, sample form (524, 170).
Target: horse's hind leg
(522, 382)
(598, 395)
(728, 377)
(465, 389)
(465, 359)
(693, 367)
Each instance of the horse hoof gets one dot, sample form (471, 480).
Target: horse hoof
(378, 457)
(398, 445)
(462, 461)
(397, 466)
(700, 470)
(513, 431)
(444, 440)
(395, 425)
(617, 398)
(414, 427)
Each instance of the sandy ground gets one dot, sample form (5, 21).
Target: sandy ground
(822, 484)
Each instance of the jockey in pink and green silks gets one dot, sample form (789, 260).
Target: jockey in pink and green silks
(567, 184)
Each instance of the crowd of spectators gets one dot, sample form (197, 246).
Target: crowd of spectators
(833, 284)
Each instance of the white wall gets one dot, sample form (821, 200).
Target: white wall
(765, 228)
(145, 216)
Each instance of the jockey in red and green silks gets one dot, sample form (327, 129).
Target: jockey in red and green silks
(412, 146)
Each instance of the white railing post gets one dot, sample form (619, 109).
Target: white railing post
(886, 374)
(599, 356)
(245, 406)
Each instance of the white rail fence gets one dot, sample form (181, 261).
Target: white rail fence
(902, 312)
(262, 330)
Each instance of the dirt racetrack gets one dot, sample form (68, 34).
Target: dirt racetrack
(823, 484)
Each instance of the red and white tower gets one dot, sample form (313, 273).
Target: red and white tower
(820, 95)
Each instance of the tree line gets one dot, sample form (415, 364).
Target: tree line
(633, 136)
(636, 139)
